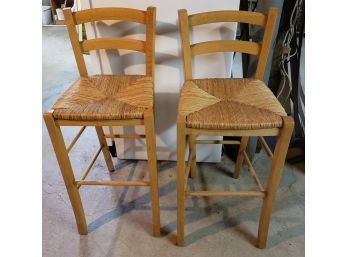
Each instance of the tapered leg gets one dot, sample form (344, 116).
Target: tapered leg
(152, 162)
(66, 171)
(180, 180)
(105, 149)
(274, 176)
(192, 145)
(240, 157)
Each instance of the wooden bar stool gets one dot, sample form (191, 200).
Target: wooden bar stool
(106, 100)
(229, 107)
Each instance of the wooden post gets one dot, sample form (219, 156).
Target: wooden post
(274, 176)
(67, 172)
(71, 27)
(185, 43)
(150, 40)
(180, 178)
(152, 162)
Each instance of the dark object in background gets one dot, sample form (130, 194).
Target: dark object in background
(231, 150)
(112, 149)
(297, 96)
(69, 3)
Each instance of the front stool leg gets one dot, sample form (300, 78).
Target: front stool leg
(180, 179)
(152, 162)
(274, 176)
(66, 171)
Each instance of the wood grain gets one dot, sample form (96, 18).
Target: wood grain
(66, 171)
(227, 16)
(111, 183)
(226, 193)
(274, 179)
(266, 43)
(150, 41)
(74, 39)
(152, 162)
(185, 44)
(113, 43)
(225, 46)
(110, 13)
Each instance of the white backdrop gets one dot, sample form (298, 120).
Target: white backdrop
(168, 66)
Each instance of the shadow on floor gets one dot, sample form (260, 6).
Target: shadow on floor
(195, 213)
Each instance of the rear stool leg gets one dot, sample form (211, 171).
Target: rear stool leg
(152, 162)
(240, 156)
(274, 176)
(180, 180)
(105, 149)
(66, 171)
(192, 140)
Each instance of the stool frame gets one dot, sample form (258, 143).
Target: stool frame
(148, 18)
(187, 136)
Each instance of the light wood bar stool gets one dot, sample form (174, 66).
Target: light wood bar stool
(106, 100)
(229, 107)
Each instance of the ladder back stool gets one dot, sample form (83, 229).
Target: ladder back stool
(106, 100)
(242, 107)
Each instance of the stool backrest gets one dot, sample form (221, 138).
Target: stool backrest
(148, 18)
(259, 49)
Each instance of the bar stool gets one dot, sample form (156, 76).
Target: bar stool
(106, 100)
(229, 107)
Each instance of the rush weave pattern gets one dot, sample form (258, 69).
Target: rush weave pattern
(229, 104)
(106, 97)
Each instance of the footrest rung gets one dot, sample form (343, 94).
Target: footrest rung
(124, 136)
(224, 142)
(226, 193)
(111, 183)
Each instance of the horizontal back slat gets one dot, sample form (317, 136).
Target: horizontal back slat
(225, 46)
(227, 16)
(113, 43)
(98, 14)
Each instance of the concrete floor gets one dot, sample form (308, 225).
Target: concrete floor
(118, 218)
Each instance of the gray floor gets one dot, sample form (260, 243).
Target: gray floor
(119, 217)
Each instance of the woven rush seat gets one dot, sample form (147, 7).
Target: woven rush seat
(229, 104)
(106, 97)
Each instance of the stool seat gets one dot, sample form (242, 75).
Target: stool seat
(106, 97)
(229, 104)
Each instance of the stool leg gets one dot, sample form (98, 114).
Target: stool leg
(152, 162)
(105, 149)
(180, 180)
(66, 171)
(274, 179)
(192, 145)
(240, 157)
